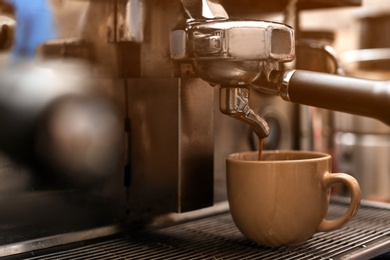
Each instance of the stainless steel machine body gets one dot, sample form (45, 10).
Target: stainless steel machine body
(362, 144)
(176, 139)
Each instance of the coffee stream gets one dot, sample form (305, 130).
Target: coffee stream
(260, 148)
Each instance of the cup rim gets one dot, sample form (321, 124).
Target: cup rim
(319, 156)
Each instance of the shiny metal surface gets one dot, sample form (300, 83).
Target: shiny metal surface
(129, 59)
(253, 8)
(130, 21)
(319, 57)
(362, 63)
(358, 124)
(207, 9)
(235, 103)
(236, 40)
(215, 236)
(57, 240)
(274, 83)
(172, 143)
(371, 55)
(365, 156)
(315, 53)
(231, 53)
(228, 52)
(40, 219)
(362, 144)
(171, 118)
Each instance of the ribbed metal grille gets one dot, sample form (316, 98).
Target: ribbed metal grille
(216, 237)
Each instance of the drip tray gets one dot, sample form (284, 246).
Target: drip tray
(366, 236)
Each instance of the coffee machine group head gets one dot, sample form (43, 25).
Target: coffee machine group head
(232, 54)
(238, 54)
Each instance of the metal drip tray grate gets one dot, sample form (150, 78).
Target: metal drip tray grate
(216, 237)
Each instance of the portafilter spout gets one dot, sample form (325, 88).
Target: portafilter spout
(234, 101)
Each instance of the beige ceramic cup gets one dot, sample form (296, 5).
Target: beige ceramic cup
(283, 199)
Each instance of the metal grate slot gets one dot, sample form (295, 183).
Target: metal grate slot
(216, 237)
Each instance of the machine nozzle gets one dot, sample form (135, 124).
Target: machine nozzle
(234, 101)
(204, 9)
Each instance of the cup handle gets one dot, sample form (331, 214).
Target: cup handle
(354, 189)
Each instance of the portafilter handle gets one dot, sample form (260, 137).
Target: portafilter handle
(370, 98)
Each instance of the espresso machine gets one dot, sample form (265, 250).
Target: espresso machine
(120, 152)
